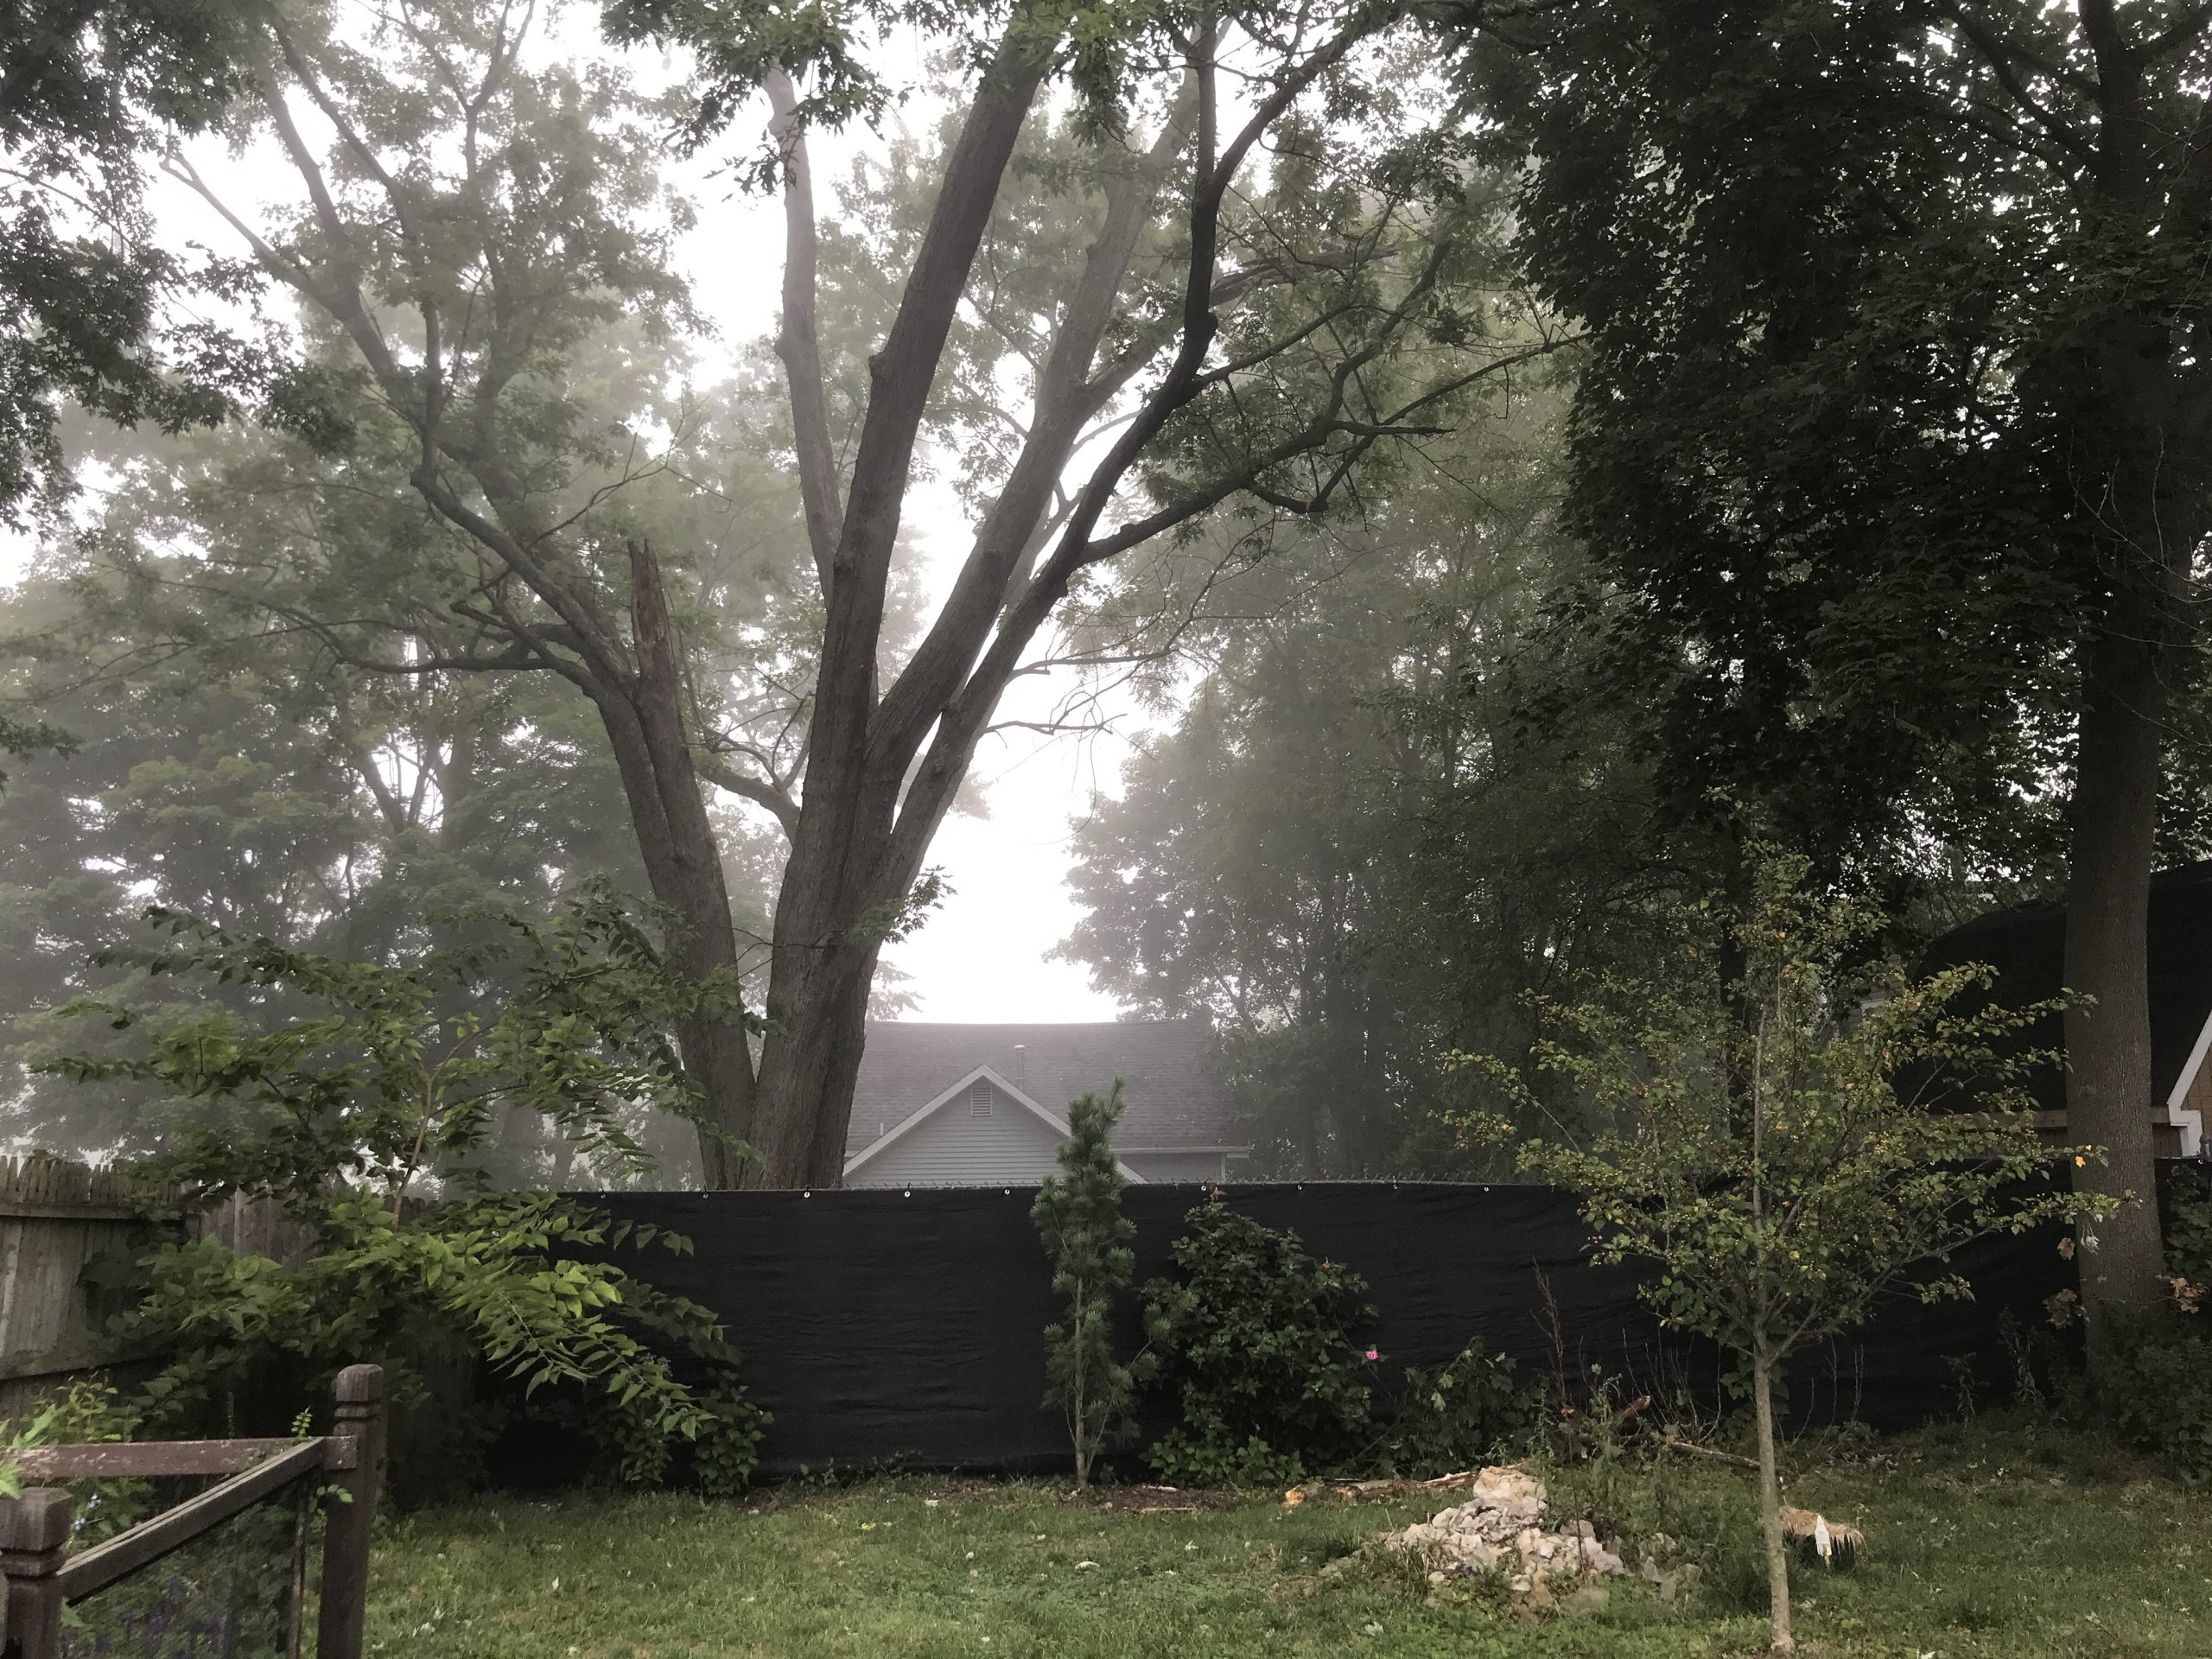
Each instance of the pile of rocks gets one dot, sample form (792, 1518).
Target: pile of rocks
(1501, 1525)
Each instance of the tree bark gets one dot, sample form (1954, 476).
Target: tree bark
(2110, 1090)
(683, 859)
(1777, 1552)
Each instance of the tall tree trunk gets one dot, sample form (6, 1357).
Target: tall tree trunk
(2143, 448)
(644, 721)
(2109, 1087)
(808, 1066)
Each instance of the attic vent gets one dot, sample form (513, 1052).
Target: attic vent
(979, 1099)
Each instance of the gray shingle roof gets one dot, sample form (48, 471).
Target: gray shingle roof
(1176, 1097)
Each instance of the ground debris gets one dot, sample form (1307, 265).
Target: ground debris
(1354, 1491)
(1501, 1526)
(1830, 1542)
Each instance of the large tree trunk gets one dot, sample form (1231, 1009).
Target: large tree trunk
(808, 1067)
(2109, 1087)
(2141, 450)
(644, 720)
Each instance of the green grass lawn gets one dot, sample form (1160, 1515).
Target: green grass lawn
(1996, 1540)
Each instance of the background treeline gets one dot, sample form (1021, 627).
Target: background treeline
(1810, 409)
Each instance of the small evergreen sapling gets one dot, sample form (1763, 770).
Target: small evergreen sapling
(1079, 1215)
(1770, 1149)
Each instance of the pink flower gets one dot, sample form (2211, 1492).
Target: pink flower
(1371, 1354)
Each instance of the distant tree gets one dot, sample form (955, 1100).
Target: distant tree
(1895, 441)
(231, 774)
(1086, 1238)
(1356, 844)
(88, 95)
(1769, 1149)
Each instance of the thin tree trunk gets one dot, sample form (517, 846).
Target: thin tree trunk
(1082, 1434)
(1777, 1552)
(2109, 1088)
(707, 945)
(684, 868)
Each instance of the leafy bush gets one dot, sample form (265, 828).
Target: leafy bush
(1459, 1417)
(2189, 1242)
(1078, 1216)
(336, 1117)
(2150, 1382)
(1257, 1339)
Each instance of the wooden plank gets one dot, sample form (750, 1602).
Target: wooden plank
(134, 1459)
(149, 1541)
(36, 1210)
(37, 1178)
(84, 1353)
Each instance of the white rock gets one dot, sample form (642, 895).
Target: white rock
(1502, 1518)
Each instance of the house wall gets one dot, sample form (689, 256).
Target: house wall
(1177, 1165)
(952, 1148)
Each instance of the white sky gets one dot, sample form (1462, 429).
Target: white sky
(981, 957)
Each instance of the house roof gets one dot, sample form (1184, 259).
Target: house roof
(2027, 946)
(1176, 1098)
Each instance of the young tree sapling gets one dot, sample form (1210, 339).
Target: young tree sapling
(1079, 1215)
(1772, 1148)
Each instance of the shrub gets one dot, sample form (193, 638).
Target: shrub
(1257, 1339)
(1078, 1216)
(2189, 1242)
(2152, 1384)
(402, 1079)
(2151, 1380)
(1459, 1417)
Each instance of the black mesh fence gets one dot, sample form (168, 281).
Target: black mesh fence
(885, 1328)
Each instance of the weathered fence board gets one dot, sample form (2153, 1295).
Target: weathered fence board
(58, 1221)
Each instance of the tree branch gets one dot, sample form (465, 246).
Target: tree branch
(797, 342)
(1066, 399)
(2001, 54)
(717, 771)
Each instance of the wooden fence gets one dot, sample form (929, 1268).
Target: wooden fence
(42, 1577)
(67, 1233)
(60, 1225)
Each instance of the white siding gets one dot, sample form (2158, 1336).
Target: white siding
(952, 1148)
(1176, 1166)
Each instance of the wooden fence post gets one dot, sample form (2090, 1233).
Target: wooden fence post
(37, 1538)
(358, 1434)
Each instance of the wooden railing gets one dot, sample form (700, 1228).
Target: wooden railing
(42, 1577)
